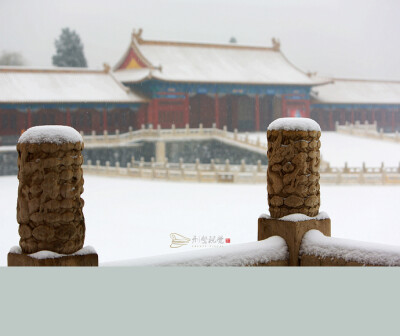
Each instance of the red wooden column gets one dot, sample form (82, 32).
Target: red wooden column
(94, 116)
(352, 116)
(149, 119)
(383, 118)
(331, 127)
(308, 108)
(155, 113)
(257, 116)
(373, 115)
(216, 110)
(363, 116)
(342, 117)
(186, 110)
(284, 112)
(393, 121)
(29, 118)
(68, 117)
(105, 126)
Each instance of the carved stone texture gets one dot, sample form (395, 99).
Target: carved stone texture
(292, 176)
(49, 207)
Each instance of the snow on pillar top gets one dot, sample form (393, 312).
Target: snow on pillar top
(294, 124)
(50, 134)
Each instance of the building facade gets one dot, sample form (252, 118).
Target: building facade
(240, 87)
(350, 100)
(84, 99)
(174, 83)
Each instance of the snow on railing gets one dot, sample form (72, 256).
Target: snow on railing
(367, 130)
(149, 133)
(269, 252)
(243, 173)
(196, 172)
(316, 244)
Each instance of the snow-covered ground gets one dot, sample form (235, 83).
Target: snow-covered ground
(129, 218)
(339, 148)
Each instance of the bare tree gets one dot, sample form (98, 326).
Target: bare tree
(11, 58)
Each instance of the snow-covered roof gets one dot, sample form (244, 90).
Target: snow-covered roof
(209, 63)
(352, 91)
(62, 85)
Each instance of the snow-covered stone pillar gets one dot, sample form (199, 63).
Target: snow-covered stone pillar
(293, 184)
(293, 164)
(49, 207)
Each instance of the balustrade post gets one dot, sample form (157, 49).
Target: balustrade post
(49, 205)
(227, 166)
(293, 183)
(259, 168)
(242, 165)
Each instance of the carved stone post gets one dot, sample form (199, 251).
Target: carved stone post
(49, 206)
(293, 164)
(293, 183)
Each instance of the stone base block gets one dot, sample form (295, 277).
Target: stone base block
(292, 232)
(17, 259)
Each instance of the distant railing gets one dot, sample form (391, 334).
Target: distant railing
(243, 173)
(173, 133)
(367, 130)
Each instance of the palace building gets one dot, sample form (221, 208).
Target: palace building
(174, 83)
(350, 100)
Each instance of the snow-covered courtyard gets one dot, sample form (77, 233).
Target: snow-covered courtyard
(129, 218)
(339, 148)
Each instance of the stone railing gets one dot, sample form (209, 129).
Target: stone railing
(191, 172)
(200, 172)
(173, 133)
(269, 252)
(295, 233)
(319, 250)
(367, 130)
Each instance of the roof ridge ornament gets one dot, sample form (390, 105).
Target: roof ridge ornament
(276, 44)
(137, 35)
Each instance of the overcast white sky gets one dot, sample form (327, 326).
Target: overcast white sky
(342, 38)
